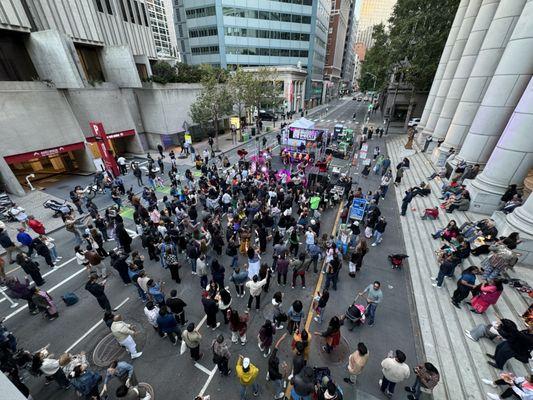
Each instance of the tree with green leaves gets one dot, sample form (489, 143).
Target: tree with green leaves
(412, 45)
(239, 84)
(214, 101)
(377, 61)
(264, 89)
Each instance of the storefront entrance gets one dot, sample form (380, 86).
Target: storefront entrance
(47, 164)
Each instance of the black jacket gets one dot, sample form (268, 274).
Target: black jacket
(273, 366)
(95, 289)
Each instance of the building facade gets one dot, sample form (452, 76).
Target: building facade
(372, 12)
(349, 53)
(480, 104)
(249, 33)
(161, 13)
(338, 26)
(65, 66)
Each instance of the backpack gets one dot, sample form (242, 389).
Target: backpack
(70, 298)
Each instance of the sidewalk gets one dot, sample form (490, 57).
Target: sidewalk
(462, 363)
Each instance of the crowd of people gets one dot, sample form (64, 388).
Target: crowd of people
(245, 211)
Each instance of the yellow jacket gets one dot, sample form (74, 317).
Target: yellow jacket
(248, 377)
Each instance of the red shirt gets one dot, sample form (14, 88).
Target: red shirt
(36, 226)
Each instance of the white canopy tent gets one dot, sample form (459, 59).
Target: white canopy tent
(302, 123)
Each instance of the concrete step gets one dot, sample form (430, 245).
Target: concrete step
(462, 363)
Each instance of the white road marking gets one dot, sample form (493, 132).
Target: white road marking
(201, 322)
(49, 272)
(49, 290)
(202, 368)
(93, 328)
(206, 384)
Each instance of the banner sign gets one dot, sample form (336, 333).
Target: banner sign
(102, 142)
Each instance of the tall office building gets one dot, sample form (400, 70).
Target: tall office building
(372, 12)
(252, 33)
(348, 57)
(161, 13)
(338, 26)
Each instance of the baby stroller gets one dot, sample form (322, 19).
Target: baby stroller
(60, 208)
(397, 260)
(355, 314)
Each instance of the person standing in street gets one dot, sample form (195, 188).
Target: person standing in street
(8, 245)
(124, 333)
(332, 272)
(356, 363)
(266, 337)
(247, 374)
(25, 239)
(211, 311)
(394, 370)
(274, 373)
(192, 339)
(255, 287)
(221, 355)
(374, 296)
(379, 230)
(177, 306)
(31, 268)
(97, 290)
(36, 225)
(121, 370)
(406, 200)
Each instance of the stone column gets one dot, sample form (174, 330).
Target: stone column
(503, 92)
(468, 59)
(521, 219)
(459, 15)
(451, 67)
(491, 52)
(510, 161)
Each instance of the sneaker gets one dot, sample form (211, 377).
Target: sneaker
(243, 343)
(229, 372)
(303, 287)
(316, 319)
(493, 396)
(433, 278)
(279, 327)
(347, 380)
(468, 335)
(292, 287)
(136, 355)
(488, 382)
(256, 394)
(379, 383)
(260, 348)
(216, 326)
(374, 245)
(434, 285)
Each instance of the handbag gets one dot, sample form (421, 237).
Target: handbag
(183, 347)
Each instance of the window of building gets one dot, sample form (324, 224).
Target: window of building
(90, 61)
(202, 32)
(139, 20)
(266, 34)
(108, 7)
(200, 12)
(144, 14)
(15, 63)
(130, 9)
(142, 71)
(123, 9)
(99, 5)
(267, 51)
(204, 50)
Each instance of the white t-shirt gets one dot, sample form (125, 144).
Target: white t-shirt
(309, 237)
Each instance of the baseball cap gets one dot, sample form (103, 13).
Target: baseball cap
(246, 362)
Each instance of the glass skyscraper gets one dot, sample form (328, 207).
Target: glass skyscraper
(256, 33)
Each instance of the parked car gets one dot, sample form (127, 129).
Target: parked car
(413, 122)
(360, 98)
(267, 116)
(365, 98)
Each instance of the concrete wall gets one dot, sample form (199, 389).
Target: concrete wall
(119, 66)
(34, 116)
(13, 17)
(54, 58)
(164, 108)
(103, 103)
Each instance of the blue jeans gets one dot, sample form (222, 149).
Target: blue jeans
(142, 295)
(255, 389)
(193, 264)
(235, 261)
(371, 312)
(377, 237)
(295, 396)
(53, 253)
(384, 190)
(278, 386)
(387, 385)
(416, 388)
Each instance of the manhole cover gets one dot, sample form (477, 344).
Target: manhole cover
(148, 388)
(107, 350)
(338, 355)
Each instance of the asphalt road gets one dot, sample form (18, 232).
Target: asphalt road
(173, 376)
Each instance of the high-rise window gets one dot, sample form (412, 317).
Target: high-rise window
(123, 9)
(108, 7)
(200, 12)
(130, 9)
(139, 19)
(99, 5)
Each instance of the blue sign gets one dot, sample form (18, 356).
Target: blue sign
(357, 210)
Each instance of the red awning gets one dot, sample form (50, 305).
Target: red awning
(43, 153)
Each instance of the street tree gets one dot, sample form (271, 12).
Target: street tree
(239, 85)
(377, 61)
(214, 101)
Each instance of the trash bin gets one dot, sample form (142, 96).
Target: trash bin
(253, 130)
(245, 136)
